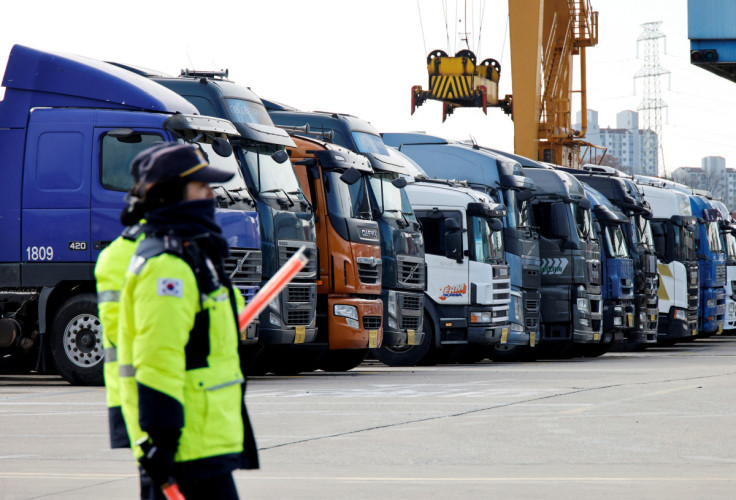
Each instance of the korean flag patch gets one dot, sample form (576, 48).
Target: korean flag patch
(170, 287)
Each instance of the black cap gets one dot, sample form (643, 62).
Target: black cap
(174, 161)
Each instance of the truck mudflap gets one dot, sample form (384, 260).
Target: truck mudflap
(346, 331)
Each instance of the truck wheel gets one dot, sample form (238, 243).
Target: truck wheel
(342, 360)
(409, 355)
(76, 341)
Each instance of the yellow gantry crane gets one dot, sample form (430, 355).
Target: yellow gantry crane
(545, 36)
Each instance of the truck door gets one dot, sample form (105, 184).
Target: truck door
(112, 154)
(447, 279)
(56, 196)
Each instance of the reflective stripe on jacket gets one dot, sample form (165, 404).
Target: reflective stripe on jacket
(110, 274)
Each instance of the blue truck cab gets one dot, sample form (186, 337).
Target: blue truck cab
(287, 221)
(69, 127)
(617, 288)
(403, 275)
(711, 255)
(504, 181)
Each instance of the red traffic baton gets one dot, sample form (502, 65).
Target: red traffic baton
(272, 288)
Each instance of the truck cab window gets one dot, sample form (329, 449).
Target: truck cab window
(115, 158)
(487, 243)
(434, 229)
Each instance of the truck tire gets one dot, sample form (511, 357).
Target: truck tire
(76, 341)
(342, 360)
(409, 355)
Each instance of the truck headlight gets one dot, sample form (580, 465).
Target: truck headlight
(516, 327)
(501, 272)
(618, 321)
(353, 323)
(392, 303)
(710, 303)
(732, 307)
(274, 319)
(392, 323)
(679, 314)
(275, 303)
(583, 305)
(480, 317)
(346, 311)
(518, 309)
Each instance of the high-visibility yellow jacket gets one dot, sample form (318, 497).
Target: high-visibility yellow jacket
(110, 275)
(178, 359)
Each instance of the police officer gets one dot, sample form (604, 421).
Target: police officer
(181, 386)
(110, 275)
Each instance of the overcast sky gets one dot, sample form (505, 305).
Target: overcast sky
(363, 57)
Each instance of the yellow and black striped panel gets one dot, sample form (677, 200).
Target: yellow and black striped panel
(451, 87)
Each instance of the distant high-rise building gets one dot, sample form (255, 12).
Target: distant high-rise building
(711, 176)
(627, 143)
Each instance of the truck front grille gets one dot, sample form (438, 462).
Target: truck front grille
(411, 302)
(298, 318)
(298, 293)
(410, 322)
(369, 274)
(411, 271)
(287, 248)
(243, 266)
(721, 273)
(371, 322)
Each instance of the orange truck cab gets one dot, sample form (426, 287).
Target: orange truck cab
(349, 308)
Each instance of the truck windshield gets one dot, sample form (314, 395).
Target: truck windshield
(244, 111)
(487, 244)
(268, 175)
(584, 222)
(616, 242)
(519, 212)
(642, 230)
(391, 201)
(345, 200)
(369, 143)
(714, 237)
(684, 244)
(730, 246)
(235, 187)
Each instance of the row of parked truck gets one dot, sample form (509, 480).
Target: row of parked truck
(422, 249)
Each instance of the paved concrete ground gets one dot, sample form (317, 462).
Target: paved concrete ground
(653, 424)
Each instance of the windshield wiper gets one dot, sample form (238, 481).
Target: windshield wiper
(227, 193)
(303, 199)
(394, 210)
(276, 190)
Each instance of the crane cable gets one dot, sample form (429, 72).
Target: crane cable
(447, 28)
(421, 25)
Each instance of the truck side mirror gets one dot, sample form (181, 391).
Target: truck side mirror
(280, 156)
(399, 182)
(222, 147)
(351, 176)
(495, 224)
(126, 135)
(585, 204)
(453, 240)
(524, 194)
